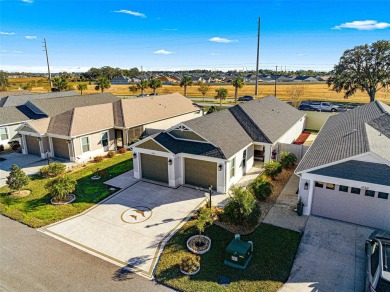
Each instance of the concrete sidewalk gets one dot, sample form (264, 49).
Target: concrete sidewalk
(282, 213)
(123, 180)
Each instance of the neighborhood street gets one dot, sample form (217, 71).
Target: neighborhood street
(33, 261)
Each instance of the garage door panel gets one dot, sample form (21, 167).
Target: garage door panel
(154, 168)
(353, 208)
(61, 149)
(200, 173)
(33, 145)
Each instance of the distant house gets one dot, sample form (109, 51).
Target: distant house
(14, 92)
(83, 130)
(305, 79)
(345, 175)
(14, 111)
(322, 78)
(166, 80)
(205, 151)
(120, 80)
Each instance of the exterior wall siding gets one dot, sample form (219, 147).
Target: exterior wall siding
(294, 132)
(315, 120)
(12, 134)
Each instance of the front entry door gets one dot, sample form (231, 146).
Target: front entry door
(244, 163)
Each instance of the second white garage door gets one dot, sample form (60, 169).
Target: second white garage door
(350, 207)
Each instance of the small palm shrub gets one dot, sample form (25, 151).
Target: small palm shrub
(111, 154)
(190, 263)
(288, 159)
(272, 169)
(241, 208)
(60, 187)
(261, 188)
(204, 218)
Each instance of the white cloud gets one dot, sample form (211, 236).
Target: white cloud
(363, 25)
(222, 40)
(171, 29)
(162, 52)
(27, 1)
(6, 33)
(300, 55)
(31, 37)
(14, 51)
(43, 69)
(134, 13)
(215, 54)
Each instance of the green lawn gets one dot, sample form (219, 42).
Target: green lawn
(36, 210)
(269, 268)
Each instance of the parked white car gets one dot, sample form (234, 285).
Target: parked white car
(324, 106)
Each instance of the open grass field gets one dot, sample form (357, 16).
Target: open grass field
(36, 210)
(318, 91)
(269, 268)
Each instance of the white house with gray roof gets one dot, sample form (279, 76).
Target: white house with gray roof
(219, 148)
(345, 175)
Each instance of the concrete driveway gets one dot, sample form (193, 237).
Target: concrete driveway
(131, 227)
(330, 257)
(30, 164)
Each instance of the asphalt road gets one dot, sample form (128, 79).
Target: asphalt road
(33, 261)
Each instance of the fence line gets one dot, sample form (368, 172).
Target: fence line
(298, 150)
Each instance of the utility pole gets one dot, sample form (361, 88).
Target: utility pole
(257, 60)
(276, 77)
(47, 61)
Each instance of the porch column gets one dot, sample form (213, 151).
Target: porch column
(43, 154)
(136, 164)
(307, 209)
(51, 147)
(125, 138)
(24, 144)
(267, 153)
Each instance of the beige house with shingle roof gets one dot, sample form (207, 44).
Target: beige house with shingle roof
(84, 132)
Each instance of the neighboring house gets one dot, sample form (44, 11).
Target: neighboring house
(10, 119)
(305, 79)
(16, 100)
(219, 148)
(85, 131)
(14, 93)
(345, 175)
(121, 80)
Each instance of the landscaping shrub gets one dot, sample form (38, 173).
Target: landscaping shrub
(122, 150)
(288, 159)
(1, 148)
(61, 186)
(241, 208)
(111, 154)
(52, 170)
(17, 179)
(190, 263)
(261, 188)
(134, 140)
(204, 218)
(98, 159)
(272, 169)
(15, 145)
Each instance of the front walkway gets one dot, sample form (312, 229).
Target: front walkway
(123, 180)
(256, 170)
(131, 227)
(282, 213)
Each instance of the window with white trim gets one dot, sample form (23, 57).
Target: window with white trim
(3, 134)
(232, 167)
(84, 144)
(105, 139)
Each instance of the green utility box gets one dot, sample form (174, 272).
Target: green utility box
(238, 253)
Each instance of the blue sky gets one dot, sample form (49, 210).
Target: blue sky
(180, 35)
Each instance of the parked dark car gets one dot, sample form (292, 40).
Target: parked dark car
(378, 262)
(153, 94)
(246, 98)
(142, 95)
(307, 107)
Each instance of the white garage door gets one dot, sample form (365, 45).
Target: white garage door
(350, 207)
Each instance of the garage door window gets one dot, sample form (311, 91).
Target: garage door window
(3, 134)
(355, 190)
(85, 144)
(232, 167)
(382, 195)
(343, 189)
(370, 193)
(330, 186)
(319, 184)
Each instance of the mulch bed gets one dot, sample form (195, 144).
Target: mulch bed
(302, 138)
(266, 205)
